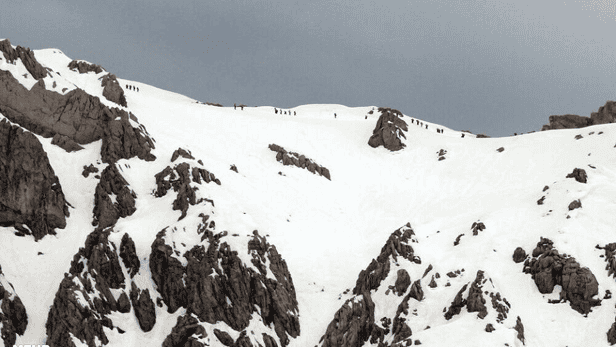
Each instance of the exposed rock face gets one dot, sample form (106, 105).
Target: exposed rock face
(519, 255)
(181, 152)
(579, 175)
(144, 307)
(605, 115)
(31, 192)
(84, 296)
(549, 268)
(13, 317)
(354, 323)
(397, 245)
(610, 258)
(611, 334)
(66, 143)
(216, 286)
(180, 178)
(389, 130)
(477, 227)
(87, 170)
(112, 186)
(85, 67)
(299, 160)
(77, 115)
(183, 331)
(27, 58)
(112, 90)
(129, 255)
(575, 204)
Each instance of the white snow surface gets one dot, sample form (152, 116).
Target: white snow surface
(328, 231)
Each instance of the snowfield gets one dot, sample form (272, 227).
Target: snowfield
(328, 231)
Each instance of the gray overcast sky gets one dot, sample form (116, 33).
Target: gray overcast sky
(493, 67)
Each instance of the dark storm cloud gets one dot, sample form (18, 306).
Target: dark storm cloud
(495, 67)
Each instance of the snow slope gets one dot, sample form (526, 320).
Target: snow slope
(328, 231)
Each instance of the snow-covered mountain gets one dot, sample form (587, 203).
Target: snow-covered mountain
(134, 216)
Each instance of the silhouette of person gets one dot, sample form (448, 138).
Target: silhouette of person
(137, 89)
(335, 115)
(275, 110)
(234, 106)
(294, 113)
(462, 135)
(242, 107)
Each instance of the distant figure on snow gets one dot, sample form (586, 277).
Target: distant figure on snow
(242, 107)
(275, 110)
(335, 115)
(426, 126)
(412, 121)
(366, 117)
(127, 86)
(137, 89)
(294, 113)
(234, 106)
(462, 135)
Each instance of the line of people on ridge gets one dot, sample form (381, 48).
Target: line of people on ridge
(130, 87)
(285, 112)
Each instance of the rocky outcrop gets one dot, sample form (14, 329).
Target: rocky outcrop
(66, 143)
(112, 90)
(13, 316)
(397, 245)
(113, 199)
(143, 305)
(85, 67)
(84, 297)
(87, 170)
(477, 227)
(31, 192)
(519, 255)
(77, 115)
(549, 268)
(579, 175)
(181, 152)
(575, 204)
(610, 258)
(299, 160)
(129, 255)
(181, 178)
(27, 58)
(611, 334)
(215, 285)
(182, 334)
(352, 324)
(605, 115)
(389, 130)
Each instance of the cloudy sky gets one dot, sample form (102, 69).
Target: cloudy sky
(493, 67)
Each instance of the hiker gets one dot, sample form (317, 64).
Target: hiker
(366, 117)
(137, 89)
(294, 113)
(462, 135)
(234, 106)
(275, 110)
(426, 126)
(335, 115)
(242, 107)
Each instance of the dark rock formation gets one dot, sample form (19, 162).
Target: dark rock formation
(85, 67)
(397, 245)
(31, 192)
(606, 114)
(579, 175)
(224, 338)
(575, 204)
(112, 90)
(27, 58)
(112, 184)
(389, 130)
(235, 291)
(352, 323)
(476, 302)
(66, 143)
(441, 154)
(610, 258)
(541, 200)
(77, 115)
(477, 227)
(519, 255)
(13, 316)
(299, 160)
(181, 152)
(489, 328)
(611, 334)
(403, 281)
(549, 268)
(87, 170)
(519, 327)
(500, 149)
(145, 312)
(457, 304)
(129, 255)
(183, 331)
(84, 297)
(179, 178)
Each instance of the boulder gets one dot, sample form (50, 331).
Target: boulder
(575, 204)
(32, 194)
(579, 175)
(129, 255)
(389, 130)
(568, 121)
(66, 143)
(182, 333)
(605, 115)
(112, 184)
(144, 308)
(519, 255)
(403, 281)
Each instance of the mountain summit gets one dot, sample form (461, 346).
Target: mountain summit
(134, 216)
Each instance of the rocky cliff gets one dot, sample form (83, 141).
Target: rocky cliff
(32, 199)
(13, 315)
(389, 130)
(606, 114)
